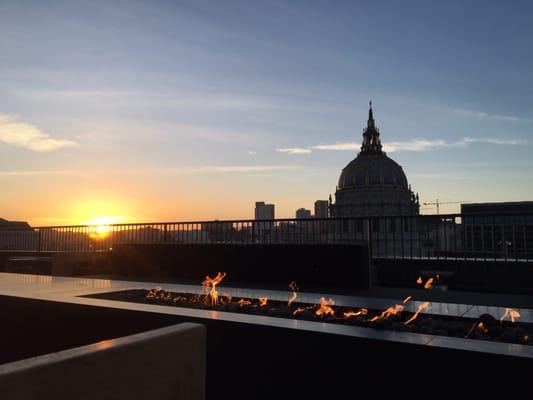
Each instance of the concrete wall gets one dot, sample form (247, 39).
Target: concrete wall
(493, 276)
(326, 266)
(246, 361)
(166, 363)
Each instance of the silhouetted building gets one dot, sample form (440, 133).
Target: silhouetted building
(263, 230)
(6, 225)
(503, 208)
(264, 211)
(303, 213)
(373, 184)
(500, 230)
(17, 235)
(321, 209)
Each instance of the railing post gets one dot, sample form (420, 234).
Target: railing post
(39, 243)
(370, 251)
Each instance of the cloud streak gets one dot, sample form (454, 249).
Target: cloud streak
(22, 134)
(415, 145)
(484, 115)
(211, 169)
(294, 150)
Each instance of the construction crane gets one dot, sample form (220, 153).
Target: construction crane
(437, 203)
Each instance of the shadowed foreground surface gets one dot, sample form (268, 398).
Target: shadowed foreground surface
(251, 361)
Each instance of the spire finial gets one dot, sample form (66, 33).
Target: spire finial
(371, 142)
(370, 115)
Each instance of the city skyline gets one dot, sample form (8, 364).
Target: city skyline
(128, 112)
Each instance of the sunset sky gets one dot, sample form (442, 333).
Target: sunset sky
(185, 110)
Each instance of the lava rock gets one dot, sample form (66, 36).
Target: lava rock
(509, 334)
(437, 325)
(487, 319)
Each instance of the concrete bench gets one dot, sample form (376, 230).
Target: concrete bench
(166, 363)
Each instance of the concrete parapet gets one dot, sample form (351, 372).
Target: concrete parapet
(166, 363)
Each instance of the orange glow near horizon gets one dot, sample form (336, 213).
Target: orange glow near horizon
(102, 225)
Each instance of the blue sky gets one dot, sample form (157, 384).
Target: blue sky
(196, 109)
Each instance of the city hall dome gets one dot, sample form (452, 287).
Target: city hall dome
(373, 183)
(372, 170)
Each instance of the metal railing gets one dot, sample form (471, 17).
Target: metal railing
(451, 236)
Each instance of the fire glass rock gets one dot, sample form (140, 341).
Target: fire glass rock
(486, 327)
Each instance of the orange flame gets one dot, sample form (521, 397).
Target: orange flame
(243, 302)
(407, 299)
(421, 308)
(213, 282)
(179, 298)
(294, 288)
(349, 314)
(300, 309)
(419, 280)
(509, 312)
(429, 283)
(227, 300)
(154, 293)
(397, 308)
(480, 326)
(325, 308)
(263, 301)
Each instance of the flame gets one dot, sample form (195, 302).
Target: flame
(421, 308)
(300, 309)
(513, 314)
(294, 288)
(243, 302)
(397, 308)
(480, 326)
(179, 298)
(407, 299)
(263, 301)
(349, 314)
(213, 282)
(428, 284)
(419, 280)
(325, 308)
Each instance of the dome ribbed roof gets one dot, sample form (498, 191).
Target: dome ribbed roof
(372, 170)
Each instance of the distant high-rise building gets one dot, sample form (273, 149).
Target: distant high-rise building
(321, 209)
(499, 230)
(264, 211)
(303, 213)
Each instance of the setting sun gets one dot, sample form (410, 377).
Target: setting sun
(102, 225)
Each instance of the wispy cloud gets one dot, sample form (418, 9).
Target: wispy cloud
(205, 169)
(40, 173)
(514, 142)
(22, 134)
(218, 169)
(418, 144)
(294, 150)
(485, 115)
(338, 146)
